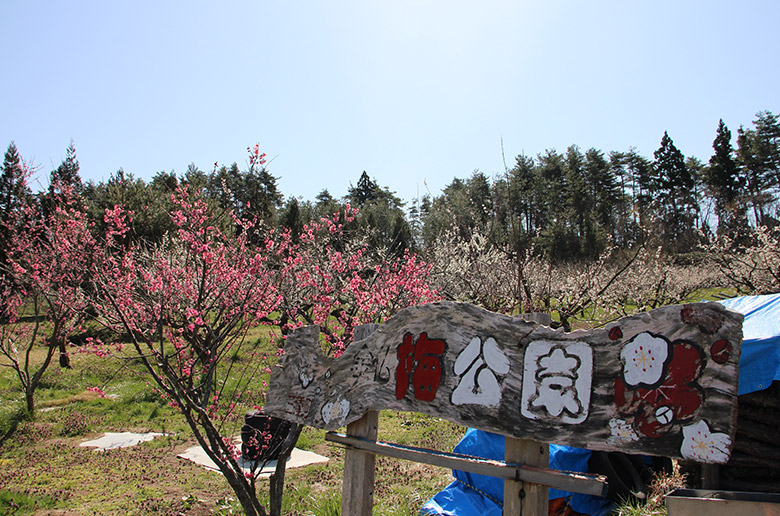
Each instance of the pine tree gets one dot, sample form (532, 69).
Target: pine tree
(68, 172)
(521, 198)
(724, 183)
(64, 182)
(291, 218)
(325, 205)
(367, 190)
(13, 194)
(758, 152)
(676, 199)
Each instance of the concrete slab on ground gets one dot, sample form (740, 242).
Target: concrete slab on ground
(112, 440)
(298, 458)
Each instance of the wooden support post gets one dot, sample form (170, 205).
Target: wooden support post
(524, 498)
(710, 476)
(357, 489)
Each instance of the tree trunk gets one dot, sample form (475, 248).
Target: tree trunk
(29, 399)
(276, 482)
(64, 357)
(248, 500)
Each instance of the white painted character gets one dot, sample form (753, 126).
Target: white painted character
(557, 380)
(478, 365)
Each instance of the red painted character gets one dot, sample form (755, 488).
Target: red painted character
(422, 362)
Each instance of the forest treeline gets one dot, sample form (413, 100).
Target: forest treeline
(563, 206)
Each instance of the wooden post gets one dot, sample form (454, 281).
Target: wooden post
(524, 498)
(710, 476)
(357, 488)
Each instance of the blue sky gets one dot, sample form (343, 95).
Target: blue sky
(414, 92)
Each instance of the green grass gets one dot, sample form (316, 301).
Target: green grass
(42, 463)
(21, 503)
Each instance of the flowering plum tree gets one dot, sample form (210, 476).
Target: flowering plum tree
(43, 300)
(751, 262)
(188, 303)
(618, 283)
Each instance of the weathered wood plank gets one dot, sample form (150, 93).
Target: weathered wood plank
(574, 482)
(357, 489)
(525, 498)
(661, 383)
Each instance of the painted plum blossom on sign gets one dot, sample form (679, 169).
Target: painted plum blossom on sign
(703, 445)
(478, 364)
(643, 360)
(657, 387)
(621, 432)
(557, 381)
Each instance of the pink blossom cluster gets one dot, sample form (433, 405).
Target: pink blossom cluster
(333, 279)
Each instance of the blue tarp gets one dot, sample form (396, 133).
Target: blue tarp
(480, 495)
(472, 494)
(759, 363)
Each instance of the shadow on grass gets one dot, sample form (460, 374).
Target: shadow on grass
(18, 417)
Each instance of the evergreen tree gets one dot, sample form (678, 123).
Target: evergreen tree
(63, 180)
(381, 215)
(480, 198)
(13, 194)
(418, 211)
(326, 205)
(768, 134)
(68, 172)
(367, 190)
(150, 220)
(550, 191)
(195, 178)
(521, 197)
(758, 152)
(292, 218)
(260, 195)
(643, 187)
(605, 189)
(724, 183)
(576, 214)
(676, 201)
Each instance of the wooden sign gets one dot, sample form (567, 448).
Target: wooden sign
(659, 383)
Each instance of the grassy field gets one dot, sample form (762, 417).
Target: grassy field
(44, 471)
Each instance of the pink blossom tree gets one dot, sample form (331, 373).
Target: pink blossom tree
(187, 304)
(43, 300)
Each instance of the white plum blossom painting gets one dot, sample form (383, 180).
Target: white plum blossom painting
(702, 445)
(643, 359)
